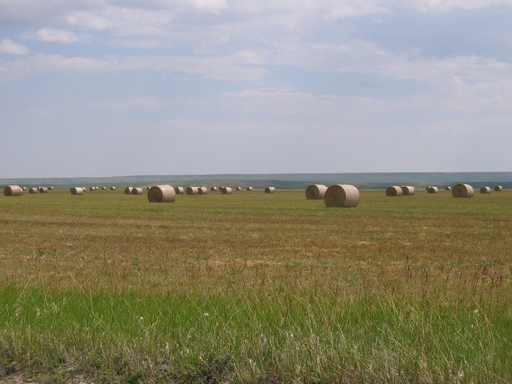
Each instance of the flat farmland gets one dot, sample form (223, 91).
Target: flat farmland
(256, 288)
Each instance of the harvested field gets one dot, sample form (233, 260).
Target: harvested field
(109, 288)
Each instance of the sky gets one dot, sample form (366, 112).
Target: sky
(172, 87)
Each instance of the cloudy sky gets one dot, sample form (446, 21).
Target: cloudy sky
(146, 87)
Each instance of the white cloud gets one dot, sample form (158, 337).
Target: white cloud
(138, 43)
(214, 6)
(344, 9)
(124, 21)
(239, 66)
(451, 5)
(465, 82)
(44, 63)
(10, 47)
(52, 35)
(109, 14)
(88, 20)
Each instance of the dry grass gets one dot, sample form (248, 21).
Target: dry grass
(111, 242)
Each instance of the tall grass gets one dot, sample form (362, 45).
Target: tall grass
(256, 288)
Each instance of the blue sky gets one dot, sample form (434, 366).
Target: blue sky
(129, 87)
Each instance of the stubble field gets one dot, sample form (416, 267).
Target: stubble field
(256, 288)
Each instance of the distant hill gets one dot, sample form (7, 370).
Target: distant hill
(280, 181)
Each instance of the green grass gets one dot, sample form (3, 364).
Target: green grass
(256, 288)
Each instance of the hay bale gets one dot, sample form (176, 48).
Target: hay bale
(84, 189)
(43, 190)
(248, 189)
(432, 190)
(202, 190)
(342, 195)
(128, 190)
(407, 190)
(51, 188)
(33, 190)
(214, 189)
(112, 188)
(238, 188)
(315, 191)
(13, 190)
(394, 190)
(270, 190)
(179, 190)
(226, 190)
(448, 188)
(485, 190)
(137, 191)
(103, 188)
(193, 191)
(76, 191)
(498, 188)
(161, 194)
(463, 190)
(24, 188)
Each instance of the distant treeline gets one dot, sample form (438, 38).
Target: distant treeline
(280, 181)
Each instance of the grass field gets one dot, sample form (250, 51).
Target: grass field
(256, 288)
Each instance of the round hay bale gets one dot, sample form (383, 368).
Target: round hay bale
(76, 191)
(43, 190)
(463, 190)
(432, 190)
(92, 189)
(24, 188)
(161, 194)
(128, 190)
(407, 190)
(112, 188)
(33, 190)
(248, 189)
(202, 190)
(13, 190)
(270, 190)
(137, 191)
(394, 190)
(342, 195)
(84, 189)
(498, 188)
(238, 188)
(103, 188)
(51, 188)
(193, 191)
(448, 188)
(226, 190)
(214, 189)
(315, 191)
(485, 190)
(179, 190)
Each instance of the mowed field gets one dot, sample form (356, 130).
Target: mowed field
(255, 288)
